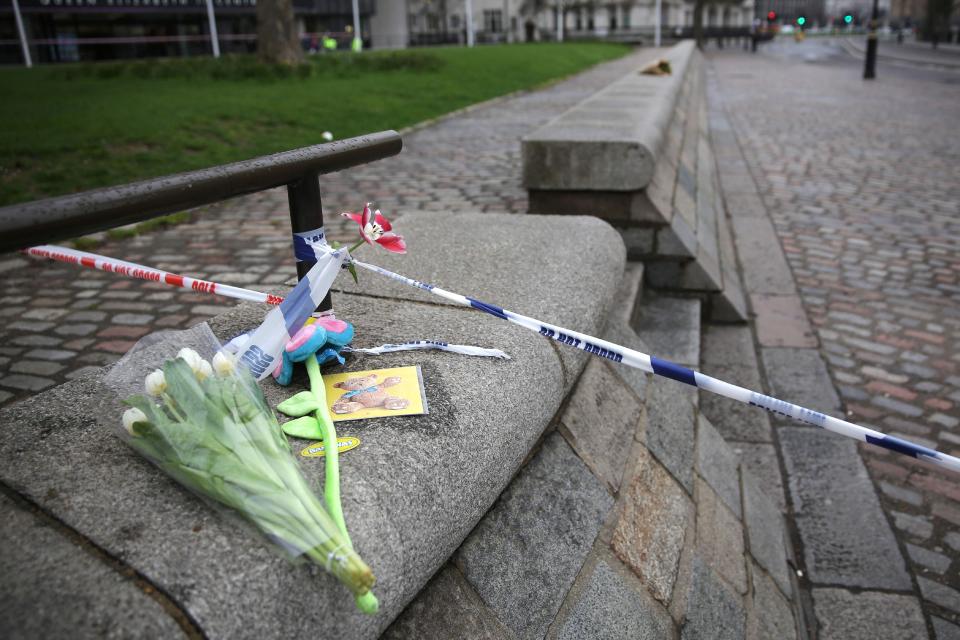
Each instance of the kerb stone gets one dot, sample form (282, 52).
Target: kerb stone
(834, 503)
(765, 532)
(843, 615)
(717, 464)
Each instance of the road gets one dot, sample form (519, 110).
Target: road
(862, 182)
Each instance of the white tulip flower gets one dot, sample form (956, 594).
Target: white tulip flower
(223, 363)
(191, 357)
(156, 383)
(326, 135)
(203, 371)
(132, 417)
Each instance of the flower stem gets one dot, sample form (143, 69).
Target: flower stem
(366, 602)
(331, 485)
(356, 246)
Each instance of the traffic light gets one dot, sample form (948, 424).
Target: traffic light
(801, 21)
(848, 18)
(771, 16)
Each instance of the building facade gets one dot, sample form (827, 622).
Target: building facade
(85, 30)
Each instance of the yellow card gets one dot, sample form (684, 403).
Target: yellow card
(356, 395)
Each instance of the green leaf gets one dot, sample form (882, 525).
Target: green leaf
(299, 405)
(306, 427)
(353, 271)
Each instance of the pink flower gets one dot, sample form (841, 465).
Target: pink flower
(374, 228)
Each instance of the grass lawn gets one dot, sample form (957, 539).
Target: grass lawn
(74, 127)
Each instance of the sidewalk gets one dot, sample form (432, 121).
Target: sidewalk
(944, 57)
(82, 319)
(847, 231)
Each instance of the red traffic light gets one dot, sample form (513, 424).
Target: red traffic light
(772, 16)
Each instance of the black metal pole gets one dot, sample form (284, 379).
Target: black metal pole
(870, 62)
(306, 214)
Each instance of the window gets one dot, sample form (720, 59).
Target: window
(612, 17)
(626, 16)
(455, 22)
(493, 21)
(578, 20)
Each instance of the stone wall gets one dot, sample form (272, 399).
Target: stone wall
(638, 155)
(632, 519)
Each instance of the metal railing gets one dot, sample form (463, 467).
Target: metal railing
(63, 217)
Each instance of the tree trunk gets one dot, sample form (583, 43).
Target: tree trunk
(277, 40)
(698, 22)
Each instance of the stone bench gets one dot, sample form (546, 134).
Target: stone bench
(412, 492)
(637, 154)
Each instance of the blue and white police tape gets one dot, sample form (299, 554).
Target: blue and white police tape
(263, 350)
(667, 369)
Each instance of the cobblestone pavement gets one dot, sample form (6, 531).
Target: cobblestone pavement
(78, 319)
(863, 184)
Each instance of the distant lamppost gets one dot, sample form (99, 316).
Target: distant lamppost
(21, 32)
(214, 36)
(870, 62)
(357, 43)
(469, 11)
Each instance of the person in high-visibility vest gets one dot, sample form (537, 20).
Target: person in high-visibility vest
(329, 42)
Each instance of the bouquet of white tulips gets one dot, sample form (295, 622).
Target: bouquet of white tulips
(208, 427)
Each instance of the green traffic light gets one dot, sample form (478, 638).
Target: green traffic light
(848, 18)
(801, 21)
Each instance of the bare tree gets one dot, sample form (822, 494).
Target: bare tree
(277, 38)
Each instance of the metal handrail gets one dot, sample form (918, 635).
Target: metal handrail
(53, 219)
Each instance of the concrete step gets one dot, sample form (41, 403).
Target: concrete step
(670, 326)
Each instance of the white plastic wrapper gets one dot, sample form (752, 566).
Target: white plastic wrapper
(203, 420)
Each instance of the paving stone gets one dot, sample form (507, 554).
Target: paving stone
(671, 420)
(944, 629)
(713, 612)
(36, 367)
(51, 588)
(761, 461)
(769, 614)
(717, 463)
(917, 526)
(447, 607)
(720, 538)
(526, 552)
(671, 327)
(834, 502)
(611, 606)
(50, 354)
(620, 333)
(132, 318)
(26, 382)
(867, 615)
(800, 376)
(940, 594)
(904, 495)
(76, 329)
(602, 417)
(782, 322)
(927, 558)
(36, 341)
(766, 532)
(654, 518)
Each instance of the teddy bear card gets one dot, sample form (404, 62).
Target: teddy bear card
(356, 395)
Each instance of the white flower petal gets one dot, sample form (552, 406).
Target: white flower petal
(223, 363)
(156, 383)
(132, 417)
